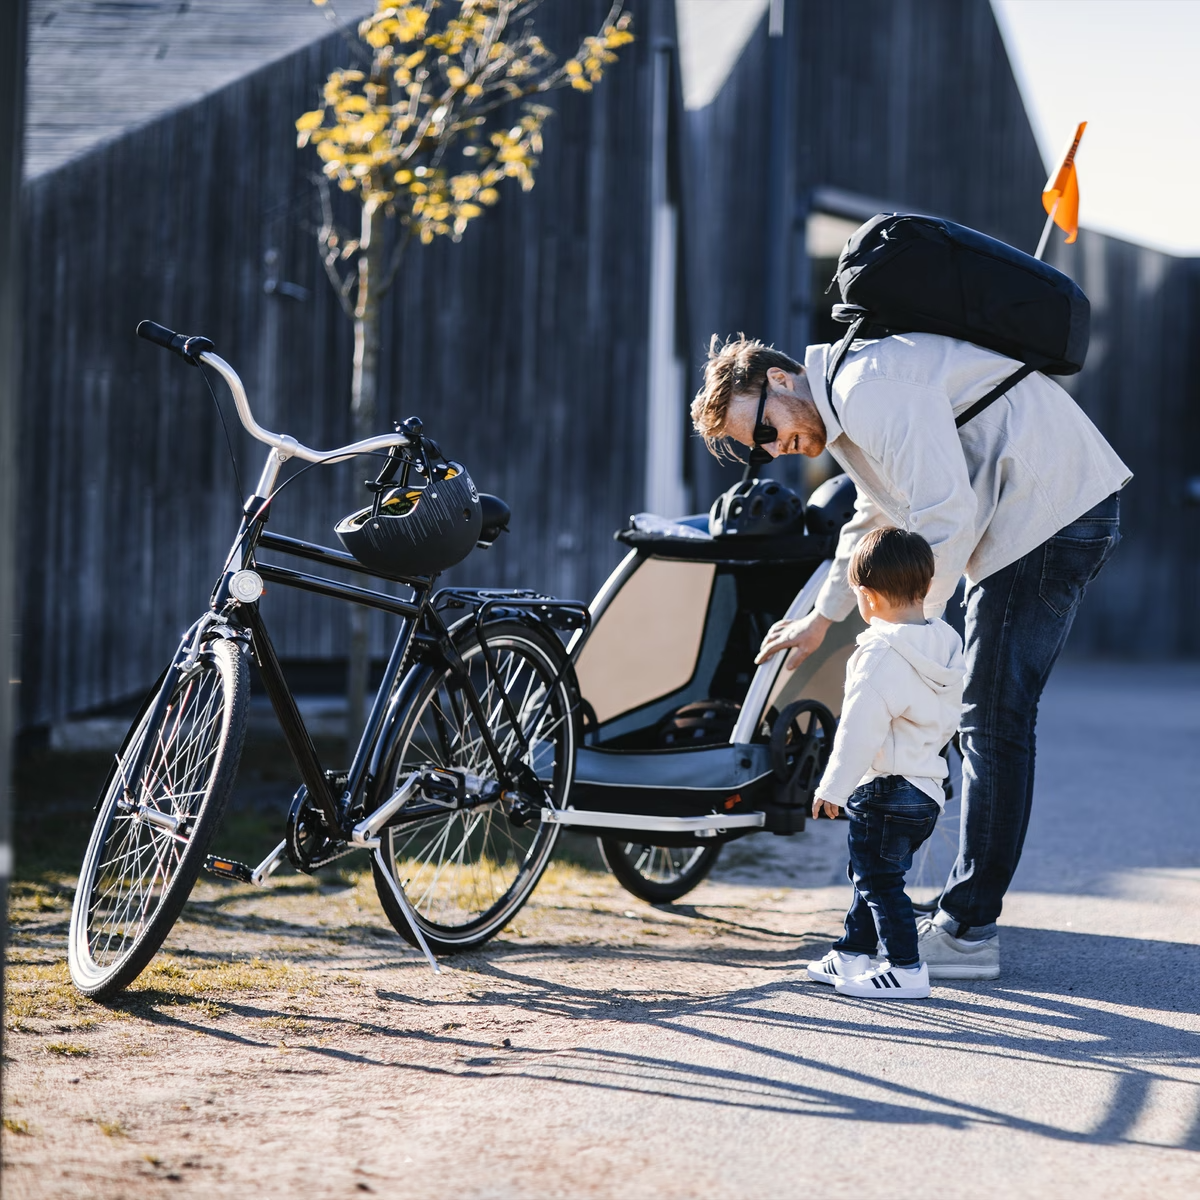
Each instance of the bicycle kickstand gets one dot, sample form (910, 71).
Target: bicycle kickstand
(409, 915)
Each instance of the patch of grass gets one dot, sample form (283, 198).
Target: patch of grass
(292, 1027)
(69, 1049)
(38, 896)
(175, 981)
(570, 878)
(110, 1129)
(37, 910)
(15, 1125)
(43, 991)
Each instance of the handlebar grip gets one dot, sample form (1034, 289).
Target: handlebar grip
(188, 348)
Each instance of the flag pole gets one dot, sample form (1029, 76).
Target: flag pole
(1046, 231)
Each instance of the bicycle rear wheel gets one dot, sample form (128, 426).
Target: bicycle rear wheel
(466, 872)
(146, 851)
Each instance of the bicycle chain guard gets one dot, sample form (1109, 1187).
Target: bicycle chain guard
(306, 841)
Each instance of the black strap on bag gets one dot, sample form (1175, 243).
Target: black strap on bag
(839, 355)
(994, 395)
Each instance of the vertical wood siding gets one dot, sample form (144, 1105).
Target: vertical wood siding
(1142, 389)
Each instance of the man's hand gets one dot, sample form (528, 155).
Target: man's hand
(802, 637)
(830, 809)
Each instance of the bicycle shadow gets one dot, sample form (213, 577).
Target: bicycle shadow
(1053, 1008)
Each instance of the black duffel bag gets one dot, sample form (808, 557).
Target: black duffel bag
(901, 273)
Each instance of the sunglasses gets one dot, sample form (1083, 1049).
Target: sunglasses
(764, 435)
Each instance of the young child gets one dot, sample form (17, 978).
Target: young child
(904, 687)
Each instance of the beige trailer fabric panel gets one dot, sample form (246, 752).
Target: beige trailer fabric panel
(648, 643)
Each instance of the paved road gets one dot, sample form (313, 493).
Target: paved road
(604, 1048)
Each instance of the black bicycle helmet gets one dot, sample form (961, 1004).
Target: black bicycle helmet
(831, 505)
(418, 531)
(756, 508)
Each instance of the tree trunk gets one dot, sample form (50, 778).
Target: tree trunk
(363, 396)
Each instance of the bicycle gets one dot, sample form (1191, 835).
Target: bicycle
(468, 750)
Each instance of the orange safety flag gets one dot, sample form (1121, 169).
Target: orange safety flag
(1060, 196)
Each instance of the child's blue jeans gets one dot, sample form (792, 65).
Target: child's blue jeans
(889, 819)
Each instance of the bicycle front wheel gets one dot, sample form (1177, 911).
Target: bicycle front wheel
(150, 838)
(466, 872)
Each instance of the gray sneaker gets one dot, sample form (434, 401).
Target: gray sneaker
(956, 958)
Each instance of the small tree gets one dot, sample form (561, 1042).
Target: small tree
(420, 138)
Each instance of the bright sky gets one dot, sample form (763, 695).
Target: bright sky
(1131, 69)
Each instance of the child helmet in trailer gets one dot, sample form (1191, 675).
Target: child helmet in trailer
(831, 505)
(756, 508)
(417, 530)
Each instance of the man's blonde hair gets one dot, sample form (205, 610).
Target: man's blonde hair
(734, 367)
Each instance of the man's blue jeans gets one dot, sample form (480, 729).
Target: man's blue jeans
(889, 819)
(1017, 621)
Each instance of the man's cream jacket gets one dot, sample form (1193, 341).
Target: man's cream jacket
(981, 496)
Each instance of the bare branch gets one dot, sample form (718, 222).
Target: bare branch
(348, 35)
(397, 256)
(330, 240)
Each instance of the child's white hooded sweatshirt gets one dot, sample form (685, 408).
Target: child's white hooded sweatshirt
(904, 686)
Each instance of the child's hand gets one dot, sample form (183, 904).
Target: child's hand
(831, 810)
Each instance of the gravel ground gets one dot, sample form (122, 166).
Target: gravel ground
(287, 1043)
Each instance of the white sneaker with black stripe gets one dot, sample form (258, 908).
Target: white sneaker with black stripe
(837, 964)
(885, 982)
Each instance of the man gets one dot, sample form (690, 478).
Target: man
(1022, 500)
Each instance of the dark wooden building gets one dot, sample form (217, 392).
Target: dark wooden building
(524, 349)
(554, 349)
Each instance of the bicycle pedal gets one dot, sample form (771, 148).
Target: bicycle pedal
(226, 868)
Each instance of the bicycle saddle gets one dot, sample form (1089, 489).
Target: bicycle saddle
(495, 518)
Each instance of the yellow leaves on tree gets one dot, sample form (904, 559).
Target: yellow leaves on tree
(391, 133)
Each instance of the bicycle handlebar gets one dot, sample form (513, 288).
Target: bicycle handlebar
(196, 350)
(188, 348)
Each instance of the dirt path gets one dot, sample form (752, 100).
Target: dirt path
(278, 1031)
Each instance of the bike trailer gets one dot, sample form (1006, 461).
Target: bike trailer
(685, 741)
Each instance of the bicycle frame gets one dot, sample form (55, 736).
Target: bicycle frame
(422, 627)
(421, 624)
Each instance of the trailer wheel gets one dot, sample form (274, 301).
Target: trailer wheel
(658, 874)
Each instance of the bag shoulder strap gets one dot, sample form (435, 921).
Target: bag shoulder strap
(839, 356)
(1003, 386)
